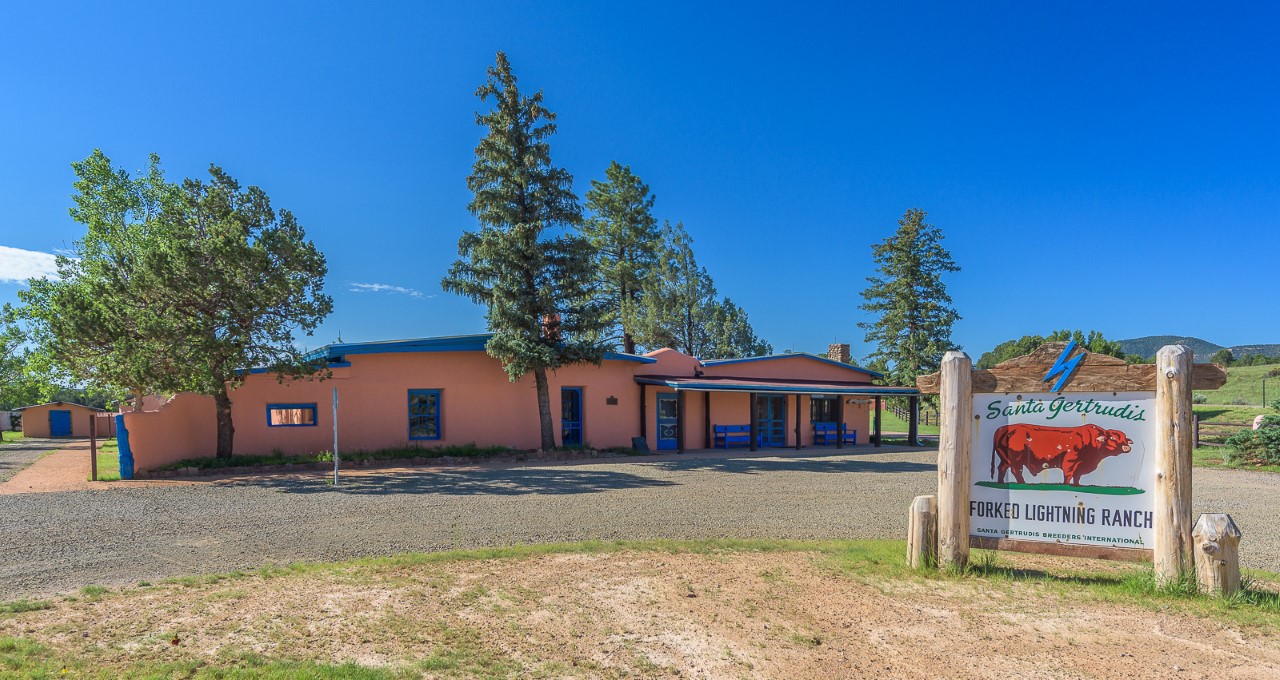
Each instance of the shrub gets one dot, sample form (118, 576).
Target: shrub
(1199, 399)
(1261, 445)
(1238, 402)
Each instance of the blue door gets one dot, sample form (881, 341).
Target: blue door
(668, 421)
(59, 423)
(571, 416)
(771, 420)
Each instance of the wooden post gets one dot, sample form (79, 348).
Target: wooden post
(680, 418)
(643, 418)
(878, 432)
(913, 424)
(1195, 420)
(797, 422)
(839, 421)
(922, 532)
(1172, 556)
(707, 443)
(93, 447)
(1217, 554)
(751, 413)
(956, 392)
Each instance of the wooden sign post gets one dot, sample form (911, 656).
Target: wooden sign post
(1066, 452)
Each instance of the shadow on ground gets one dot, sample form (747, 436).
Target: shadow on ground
(497, 482)
(562, 480)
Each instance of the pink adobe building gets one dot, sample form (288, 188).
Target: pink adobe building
(435, 392)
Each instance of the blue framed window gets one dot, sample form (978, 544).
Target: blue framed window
(424, 414)
(291, 415)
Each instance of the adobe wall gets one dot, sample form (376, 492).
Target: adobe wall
(35, 420)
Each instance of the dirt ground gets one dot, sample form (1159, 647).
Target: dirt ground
(655, 614)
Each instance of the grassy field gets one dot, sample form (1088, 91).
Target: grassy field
(1244, 385)
(892, 423)
(608, 609)
(6, 437)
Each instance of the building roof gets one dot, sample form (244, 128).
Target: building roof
(792, 355)
(776, 385)
(446, 343)
(61, 403)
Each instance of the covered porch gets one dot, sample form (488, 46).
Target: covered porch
(679, 413)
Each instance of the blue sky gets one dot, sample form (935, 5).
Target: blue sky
(1109, 166)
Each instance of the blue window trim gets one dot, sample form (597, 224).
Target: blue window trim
(439, 415)
(314, 414)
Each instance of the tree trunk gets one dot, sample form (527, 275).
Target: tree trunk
(544, 409)
(226, 430)
(137, 399)
(628, 343)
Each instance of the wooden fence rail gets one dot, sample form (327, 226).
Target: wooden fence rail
(926, 417)
(1215, 432)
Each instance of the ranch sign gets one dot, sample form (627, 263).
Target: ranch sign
(1066, 452)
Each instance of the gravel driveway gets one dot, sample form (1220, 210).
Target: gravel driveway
(17, 455)
(57, 542)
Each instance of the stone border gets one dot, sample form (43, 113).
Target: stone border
(289, 468)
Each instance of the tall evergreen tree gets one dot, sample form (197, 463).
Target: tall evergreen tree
(913, 311)
(627, 243)
(679, 307)
(538, 287)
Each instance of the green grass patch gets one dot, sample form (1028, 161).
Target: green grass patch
(19, 606)
(108, 467)
(1225, 457)
(9, 436)
(1244, 386)
(1084, 488)
(398, 453)
(891, 423)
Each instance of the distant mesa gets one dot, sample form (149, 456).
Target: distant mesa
(1148, 345)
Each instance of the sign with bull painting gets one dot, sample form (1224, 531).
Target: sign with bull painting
(1066, 467)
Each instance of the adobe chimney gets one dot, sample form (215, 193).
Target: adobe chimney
(839, 352)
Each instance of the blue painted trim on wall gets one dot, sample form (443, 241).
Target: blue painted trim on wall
(793, 355)
(126, 453)
(439, 415)
(314, 415)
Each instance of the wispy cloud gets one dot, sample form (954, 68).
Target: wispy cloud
(387, 288)
(18, 265)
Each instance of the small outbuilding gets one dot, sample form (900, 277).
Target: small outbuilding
(64, 419)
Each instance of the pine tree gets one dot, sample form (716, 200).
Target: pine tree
(538, 288)
(913, 312)
(627, 242)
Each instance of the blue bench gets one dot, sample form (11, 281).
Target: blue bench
(732, 435)
(824, 434)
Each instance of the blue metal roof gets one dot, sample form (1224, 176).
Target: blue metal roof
(446, 343)
(805, 355)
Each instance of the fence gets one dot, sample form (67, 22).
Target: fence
(903, 414)
(1214, 432)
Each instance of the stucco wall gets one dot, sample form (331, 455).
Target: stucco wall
(796, 366)
(35, 420)
(183, 427)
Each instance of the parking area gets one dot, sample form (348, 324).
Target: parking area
(58, 542)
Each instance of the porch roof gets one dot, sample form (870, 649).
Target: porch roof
(709, 383)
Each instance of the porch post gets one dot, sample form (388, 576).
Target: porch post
(840, 421)
(643, 421)
(913, 426)
(706, 411)
(877, 426)
(680, 428)
(751, 413)
(798, 421)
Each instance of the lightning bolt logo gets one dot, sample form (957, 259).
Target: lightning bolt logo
(1063, 366)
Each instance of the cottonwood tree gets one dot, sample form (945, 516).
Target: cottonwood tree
(1092, 341)
(627, 243)
(912, 310)
(526, 264)
(101, 320)
(680, 309)
(178, 287)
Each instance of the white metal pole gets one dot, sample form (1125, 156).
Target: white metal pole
(335, 436)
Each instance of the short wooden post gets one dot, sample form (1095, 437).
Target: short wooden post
(1195, 424)
(1172, 551)
(1217, 554)
(913, 423)
(839, 422)
(93, 447)
(956, 393)
(754, 427)
(798, 428)
(879, 432)
(922, 532)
